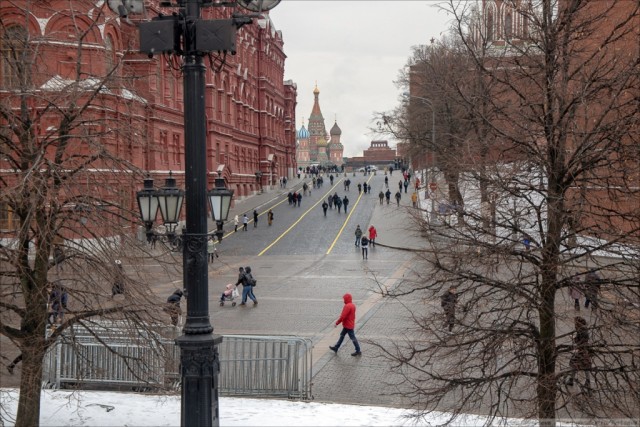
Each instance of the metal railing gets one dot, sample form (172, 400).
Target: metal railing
(117, 355)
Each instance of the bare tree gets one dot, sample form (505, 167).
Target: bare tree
(557, 105)
(67, 147)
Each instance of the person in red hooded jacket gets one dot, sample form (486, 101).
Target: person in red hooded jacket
(348, 320)
(373, 233)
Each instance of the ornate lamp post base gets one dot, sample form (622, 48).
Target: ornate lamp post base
(200, 367)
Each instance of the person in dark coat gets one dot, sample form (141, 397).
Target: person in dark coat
(57, 304)
(255, 218)
(338, 203)
(359, 188)
(448, 302)
(325, 206)
(581, 357)
(388, 196)
(246, 280)
(118, 280)
(173, 306)
(398, 197)
(348, 320)
(591, 289)
(345, 202)
(299, 199)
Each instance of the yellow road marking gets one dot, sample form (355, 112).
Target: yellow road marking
(284, 233)
(346, 221)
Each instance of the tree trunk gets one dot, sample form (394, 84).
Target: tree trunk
(30, 385)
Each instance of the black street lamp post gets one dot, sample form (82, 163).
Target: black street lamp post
(185, 34)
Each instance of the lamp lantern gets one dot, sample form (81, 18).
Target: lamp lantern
(147, 202)
(220, 200)
(258, 6)
(170, 200)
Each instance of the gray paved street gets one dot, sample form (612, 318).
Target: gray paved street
(304, 263)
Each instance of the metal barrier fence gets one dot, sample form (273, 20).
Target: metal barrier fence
(115, 355)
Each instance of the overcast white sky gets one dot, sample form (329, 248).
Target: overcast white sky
(354, 50)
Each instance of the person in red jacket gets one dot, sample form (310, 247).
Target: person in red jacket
(373, 233)
(348, 320)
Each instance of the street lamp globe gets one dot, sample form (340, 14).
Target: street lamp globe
(220, 200)
(148, 203)
(170, 200)
(258, 5)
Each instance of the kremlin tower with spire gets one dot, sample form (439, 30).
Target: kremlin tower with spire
(314, 145)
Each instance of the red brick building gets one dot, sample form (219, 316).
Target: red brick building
(379, 154)
(250, 108)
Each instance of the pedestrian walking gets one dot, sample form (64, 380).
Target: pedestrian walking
(373, 234)
(331, 179)
(406, 185)
(236, 221)
(345, 202)
(348, 320)
(325, 206)
(400, 185)
(358, 235)
(348, 182)
(414, 199)
(575, 293)
(330, 201)
(245, 278)
(245, 222)
(58, 298)
(387, 195)
(270, 217)
(118, 280)
(591, 289)
(365, 187)
(338, 203)
(299, 199)
(581, 357)
(359, 188)
(386, 181)
(255, 218)
(448, 302)
(398, 197)
(381, 196)
(212, 252)
(364, 245)
(173, 307)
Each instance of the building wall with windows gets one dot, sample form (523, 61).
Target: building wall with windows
(250, 108)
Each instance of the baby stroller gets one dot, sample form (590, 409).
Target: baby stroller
(230, 294)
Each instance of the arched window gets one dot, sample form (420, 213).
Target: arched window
(109, 54)
(15, 60)
(508, 26)
(490, 26)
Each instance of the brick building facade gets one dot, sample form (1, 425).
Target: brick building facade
(250, 108)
